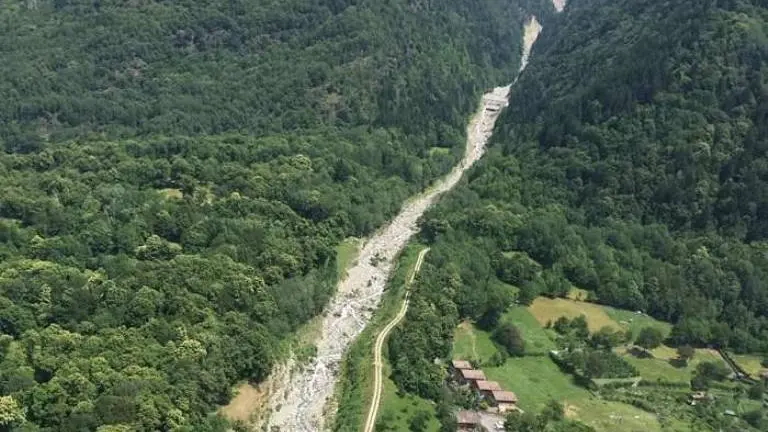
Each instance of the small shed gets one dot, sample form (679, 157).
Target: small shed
(486, 388)
(457, 366)
(504, 400)
(467, 420)
(461, 364)
(467, 376)
(699, 396)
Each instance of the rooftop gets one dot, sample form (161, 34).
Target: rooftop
(504, 396)
(472, 374)
(488, 385)
(699, 395)
(467, 417)
(461, 364)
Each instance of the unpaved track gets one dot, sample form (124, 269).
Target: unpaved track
(298, 405)
(377, 363)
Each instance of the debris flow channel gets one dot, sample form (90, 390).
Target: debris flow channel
(298, 402)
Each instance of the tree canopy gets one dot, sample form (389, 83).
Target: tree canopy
(630, 164)
(176, 176)
(649, 338)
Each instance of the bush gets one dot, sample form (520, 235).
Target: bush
(599, 364)
(699, 383)
(756, 391)
(552, 411)
(649, 338)
(685, 353)
(419, 422)
(577, 327)
(509, 337)
(713, 370)
(498, 358)
(754, 418)
(528, 292)
(606, 338)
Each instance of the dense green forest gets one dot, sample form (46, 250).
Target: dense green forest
(632, 163)
(176, 175)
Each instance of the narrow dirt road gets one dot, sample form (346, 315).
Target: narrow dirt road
(298, 403)
(377, 363)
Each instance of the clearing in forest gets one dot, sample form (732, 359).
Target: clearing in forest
(578, 294)
(537, 341)
(397, 409)
(536, 379)
(664, 364)
(546, 310)
(241, 407)
(750, 363)
(635, 322)
(471, 343)
(171, 193)
(346, 254)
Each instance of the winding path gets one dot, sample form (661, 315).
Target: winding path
(299, 398)
(377, 363)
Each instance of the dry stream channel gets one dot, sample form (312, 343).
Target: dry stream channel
(298, 398)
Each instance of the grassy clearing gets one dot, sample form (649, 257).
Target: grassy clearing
(171, 193)
(470, 343)
(346, 253)
(662, 365)
(546, 310)
(439, 151)
(750, 363)
(614, 416)
(536, 379)
(578, 294)
(635, 322)
(397, 410)
(355, 385)
(537, 341)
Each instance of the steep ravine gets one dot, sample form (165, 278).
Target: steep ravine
(297, 401)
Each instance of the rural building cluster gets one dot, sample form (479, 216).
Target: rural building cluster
(499, 400)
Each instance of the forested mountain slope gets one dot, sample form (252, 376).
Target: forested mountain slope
(653, 133)
(176, 174)
(631, 162)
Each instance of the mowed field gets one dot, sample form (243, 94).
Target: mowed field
(662, 365)
(547, 310)
(750, 363)
(537, 341)
(536, 379)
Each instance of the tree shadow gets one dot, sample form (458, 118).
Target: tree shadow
(678, 363)
(640, 353)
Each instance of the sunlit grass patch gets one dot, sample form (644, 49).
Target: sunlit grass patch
(547, 310)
